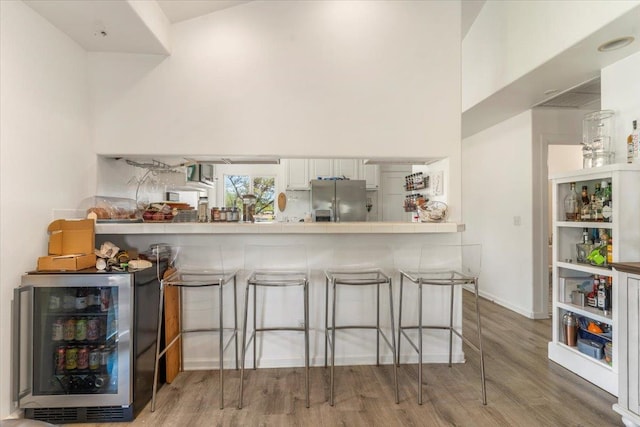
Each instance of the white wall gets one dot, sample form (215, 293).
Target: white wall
(511, 38)
(496, 178)
(46, 159)
(621, 93)
(296, 79)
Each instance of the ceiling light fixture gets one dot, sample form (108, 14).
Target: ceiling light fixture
(615, 44)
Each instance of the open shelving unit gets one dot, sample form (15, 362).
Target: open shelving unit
(624, 229)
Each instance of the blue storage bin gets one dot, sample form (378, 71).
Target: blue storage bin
(591, 348)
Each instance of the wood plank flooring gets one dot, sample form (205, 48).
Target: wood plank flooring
(524, 389)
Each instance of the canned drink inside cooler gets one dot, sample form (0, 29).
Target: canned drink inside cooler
(71, 358)
(83, 358)
(69, 329)
(94, 359)
(57, 330)
(105, 297)
(81, 330)
(60, 360)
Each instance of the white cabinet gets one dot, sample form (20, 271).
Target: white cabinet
(297, 174)
(324, 168)
(300, 171)
(321, 168)
(628, 279)
(349, 168)
(625, 232)
(371, 173)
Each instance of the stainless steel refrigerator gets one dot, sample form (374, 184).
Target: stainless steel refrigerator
(84, 344)
(339, 200)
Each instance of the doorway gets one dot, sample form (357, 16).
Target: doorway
(560, 158)
(392, 192)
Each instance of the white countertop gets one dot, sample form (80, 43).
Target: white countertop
(280, 228)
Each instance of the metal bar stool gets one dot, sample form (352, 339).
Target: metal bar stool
(359, 267)
(198, 267)
(444, 265)
(272, 267)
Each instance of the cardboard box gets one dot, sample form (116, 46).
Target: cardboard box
(66, 262)
(71, 246)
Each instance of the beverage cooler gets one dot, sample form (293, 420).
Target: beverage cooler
(84, 344)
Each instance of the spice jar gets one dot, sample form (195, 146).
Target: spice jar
(215, 214)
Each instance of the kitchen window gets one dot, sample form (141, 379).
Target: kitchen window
(263, 187)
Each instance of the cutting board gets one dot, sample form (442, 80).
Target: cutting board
(282, 202)
(171, 328)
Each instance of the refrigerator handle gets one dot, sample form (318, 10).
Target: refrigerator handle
(337, 210)
(16, 308)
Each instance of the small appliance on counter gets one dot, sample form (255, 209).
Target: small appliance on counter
(323, 215)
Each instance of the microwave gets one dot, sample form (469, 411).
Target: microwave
(201, 172)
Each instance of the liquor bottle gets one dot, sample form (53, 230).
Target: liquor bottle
(604, 302)
(596, 203)
(631, 151)
(605, 196)
(610, 251)
(585, 209)
(571, 204)
(635, 141)
(592, 297)
(609, 292)
(81, 299)
(596, 209)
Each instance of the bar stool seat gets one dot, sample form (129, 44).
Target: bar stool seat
(193, 268)
(274, 267)
(356, 267)
(449, 266)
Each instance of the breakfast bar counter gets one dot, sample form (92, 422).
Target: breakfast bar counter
(279, 228)
(322, 240)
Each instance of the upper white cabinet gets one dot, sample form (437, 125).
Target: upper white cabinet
(371, 173)
(321, 168)
(300, 171)
(349, 168)
(297, 173)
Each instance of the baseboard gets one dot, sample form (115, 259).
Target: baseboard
(317, 361)
(508, 305)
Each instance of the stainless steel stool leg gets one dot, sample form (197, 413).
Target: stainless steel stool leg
(420, 342)
(244, 344)
(333, 342)
(255, 299)
(306, 339)
(158, 337)
(235, 318)
(484, 387)
(451, 323)
(393, 343)
(221, 343)
(400, 320)
(378, 324)
(326, 319)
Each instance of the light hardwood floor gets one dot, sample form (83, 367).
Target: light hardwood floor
(524, 389)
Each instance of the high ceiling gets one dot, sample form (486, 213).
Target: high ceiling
(116, 25)
(181, 10)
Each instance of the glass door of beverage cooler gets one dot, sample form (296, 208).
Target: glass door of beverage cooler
(76, 332)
